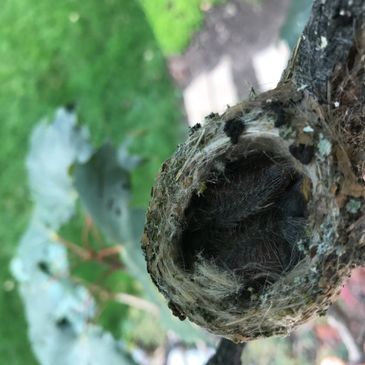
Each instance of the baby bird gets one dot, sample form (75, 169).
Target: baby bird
(248, 220)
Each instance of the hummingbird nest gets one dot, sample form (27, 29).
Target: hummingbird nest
(247, 230)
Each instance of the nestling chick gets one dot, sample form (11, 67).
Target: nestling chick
(249, 220)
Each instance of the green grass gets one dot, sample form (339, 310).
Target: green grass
(174, 22)
(104, 56)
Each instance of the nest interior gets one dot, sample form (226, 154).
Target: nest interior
(248, 220)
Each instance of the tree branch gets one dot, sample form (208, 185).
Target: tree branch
(227, 353)
(326, 42)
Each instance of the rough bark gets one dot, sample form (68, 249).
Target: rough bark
(325, 44)
(227, 353)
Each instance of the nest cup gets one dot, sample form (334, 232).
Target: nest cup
(217, 245)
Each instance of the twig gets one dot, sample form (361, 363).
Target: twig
(104, 256)
(137, 302)
(90, 228)
(77, 250)
(124, 298)
(108, 251)
(227, 353)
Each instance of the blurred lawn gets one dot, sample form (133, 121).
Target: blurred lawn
(174, 22)
(104, 56)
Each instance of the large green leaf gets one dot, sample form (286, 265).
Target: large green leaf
(54, 148)
(59, 311)
(104, 189)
